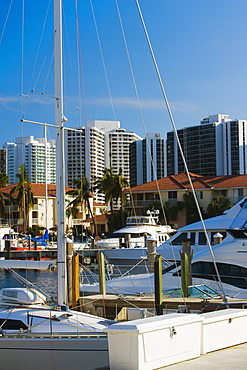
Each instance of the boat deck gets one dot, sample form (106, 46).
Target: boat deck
(115, 306)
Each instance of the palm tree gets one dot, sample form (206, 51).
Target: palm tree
(120, 183)
(106, 186)
(112, 186)
(82, 195)
(25, 196)
(4, 179)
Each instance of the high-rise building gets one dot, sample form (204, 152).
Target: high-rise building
(218, 146)
(147, 159)
(38, 155)
(84, 155)
(75, 155)
(100, 144)
(118, 144)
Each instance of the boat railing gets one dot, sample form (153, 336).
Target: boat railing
(52, 335)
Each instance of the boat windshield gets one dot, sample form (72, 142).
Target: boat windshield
(141, 220)
(238, 228)
(195, 291)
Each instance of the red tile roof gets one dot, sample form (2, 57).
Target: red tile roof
(180, 181)
(98, 218)
(38, 189)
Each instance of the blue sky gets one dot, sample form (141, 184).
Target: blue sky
(200, 47)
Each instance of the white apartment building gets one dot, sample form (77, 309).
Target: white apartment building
(117, 142)
(100, 144)
(147, 159)
(84, 155)
(38, 155)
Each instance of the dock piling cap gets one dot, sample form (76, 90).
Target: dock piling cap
(218, 235)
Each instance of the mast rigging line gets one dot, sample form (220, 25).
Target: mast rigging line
(179, 145)
(81, 87)
(6, 21)
(141, 114)
(39, 46)
(103, 60)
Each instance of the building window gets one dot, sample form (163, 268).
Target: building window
(172, 194)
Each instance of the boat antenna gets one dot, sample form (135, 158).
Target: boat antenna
(180, 147)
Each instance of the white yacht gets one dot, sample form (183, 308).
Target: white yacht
(136, 258)
(136, 231)
(231, 261)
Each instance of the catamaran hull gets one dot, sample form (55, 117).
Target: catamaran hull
(54, 353)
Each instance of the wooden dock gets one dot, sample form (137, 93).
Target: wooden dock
(46, 253)
(29, 254)
(115, 307)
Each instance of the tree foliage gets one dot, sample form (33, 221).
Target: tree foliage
(4, 179)
(218, 205)
(191, 212)
(112, 186)
(82, 194)
(25, 195)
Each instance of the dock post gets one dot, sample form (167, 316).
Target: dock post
(7, 248)
(29, 242)
(75, 280)
(186, 273)
(217, 238)
(69, 271)
(151, 247)
(101, 266)
(158, 285)
(127, 241)
(36, 251)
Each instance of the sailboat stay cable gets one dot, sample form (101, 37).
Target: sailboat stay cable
(6, 20)
(141, 113)
(81, 88)
(179, 145)
(43, 64)
(47, 75)
(39, 46)
(103, 60)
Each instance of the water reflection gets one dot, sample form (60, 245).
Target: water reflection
(45, 280)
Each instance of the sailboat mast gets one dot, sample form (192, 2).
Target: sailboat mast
(46, 190)
(60, 163)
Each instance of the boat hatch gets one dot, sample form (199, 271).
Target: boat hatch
(21, 296)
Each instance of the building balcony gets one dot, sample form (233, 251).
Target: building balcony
(140, 203)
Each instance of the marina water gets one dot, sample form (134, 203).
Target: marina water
(44, 280)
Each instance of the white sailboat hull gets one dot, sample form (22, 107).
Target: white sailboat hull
(54, 353)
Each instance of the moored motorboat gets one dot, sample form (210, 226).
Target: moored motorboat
(231, 261)
(136, 258)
